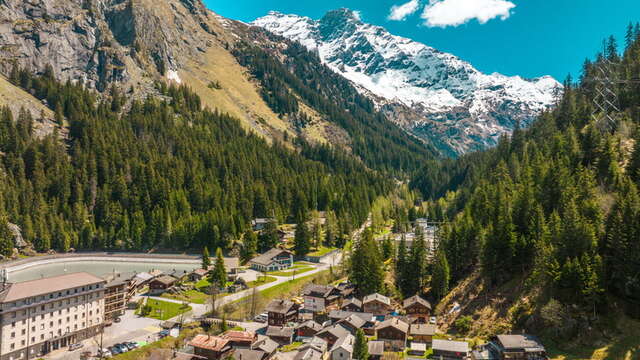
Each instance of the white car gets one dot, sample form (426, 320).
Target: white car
(261, 318)
(432, 320)
(104, 353)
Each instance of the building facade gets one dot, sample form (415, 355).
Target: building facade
(39, 316)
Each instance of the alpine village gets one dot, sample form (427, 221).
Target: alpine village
(175, 184)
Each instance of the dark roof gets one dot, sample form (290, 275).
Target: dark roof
(321, 291)
(376, 347)
(395, 323)
(525, 342)
(165, 279)
(281, 306)
(265, 344)
(267, 258)
(335, 330)
(246, 354)
(310, 324)
(376, 297)
(451, 346)
(422, 329)
(416, 300)
(280, 331)
(340, 314)
(355, 301)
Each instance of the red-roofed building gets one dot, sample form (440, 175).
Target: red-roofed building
(211, 347)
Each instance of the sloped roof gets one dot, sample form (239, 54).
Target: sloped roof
(165, 279)
(314, 290)
(246, 354)
(376, 297)
(280, 306)
(355, 301)
(26, 289)
(308, 354)
(520, 342)
(395, 323)
(376, 347)
(267, 258)
(452, 346)
(235, 335)
(345, 342)
(265, 344)
(422, 329)
(214, 343)
(355, 321)
(280, 331)
(310, 324)
(335, 330)
(415, 300)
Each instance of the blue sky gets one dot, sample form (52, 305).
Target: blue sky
(539, 37)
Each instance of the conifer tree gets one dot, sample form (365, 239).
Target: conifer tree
(206, 261)
(269, 236)
(302, 240)
(441, 276)
(6, 237)
(218, 275)
(401, 266)
(360, 347)
(366, 265)
(249, 245)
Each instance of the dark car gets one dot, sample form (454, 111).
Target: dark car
(163, 333)
(117, 320)
(114, 350)
(123, 348)
(132, 345)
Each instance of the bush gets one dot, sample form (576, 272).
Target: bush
(463, 324)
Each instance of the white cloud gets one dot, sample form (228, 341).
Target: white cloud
(443, 13)
(401, 12)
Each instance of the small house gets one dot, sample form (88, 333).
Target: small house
(422, 333)
(281, 312)
(450, 350)
(248, 354)
(352, 304)
(352, 323)
(267, 345)
(332, 334)
(377, 304)
(210, 347)
(317, 298)
(417, 309)
(272, 260)
(239, 339)
(161, 284)
(309, 353)
(280, 334)
(259, 224)
(516, 347)
(198, 274)
(316, 343)
(308, 329)
(376, 349)
(343, 348)
(393, 332)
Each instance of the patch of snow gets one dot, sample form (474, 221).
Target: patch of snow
(172, 75)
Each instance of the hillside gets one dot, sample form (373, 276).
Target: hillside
(131, 45)
(543, 232)
(432, 94)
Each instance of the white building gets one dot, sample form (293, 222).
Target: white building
(39, 316)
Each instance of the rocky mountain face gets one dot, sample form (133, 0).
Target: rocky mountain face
(432, 94)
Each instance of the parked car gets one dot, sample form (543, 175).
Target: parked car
(105, 353)
(262, 318)
(74, 347)
(132, 345)
(117, 320)
(123, 348)
(432, 320)
(115, 350)
(163, 333)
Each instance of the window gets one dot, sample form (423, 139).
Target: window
(33, 339)
(13, 346)
(41, 336)
(42, 326)
(24, 331)
(13, 324)
(13, 334)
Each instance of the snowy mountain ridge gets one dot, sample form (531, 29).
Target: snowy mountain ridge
(432, 94)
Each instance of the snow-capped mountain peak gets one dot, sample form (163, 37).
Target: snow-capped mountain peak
(433, 94)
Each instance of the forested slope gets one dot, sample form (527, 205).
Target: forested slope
(163, 174)
(553, 213)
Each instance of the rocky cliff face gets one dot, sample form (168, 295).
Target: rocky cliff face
(432, 94)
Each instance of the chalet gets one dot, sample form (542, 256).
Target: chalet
(308, 329)
(370, 319)
(198, 274)
(210, 347)
(519, 347)
(346, 289)
(259, 224)
(376, 349)
(156, 273)
(417, 309)
(450, 350)
(309, 353)
(318, 298)
(272, 260)
(239, 339)
(332, 334)
(422, 333)
(281, 312)
(417, 349)
(343, 348)
(352, 304)
(248, 354)
(161, 284)
(280, 334)
(267, 345)
(393, 332)
(352, 323)
(377, 304)
(316, 343)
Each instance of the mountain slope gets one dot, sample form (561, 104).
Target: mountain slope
(433, 94)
